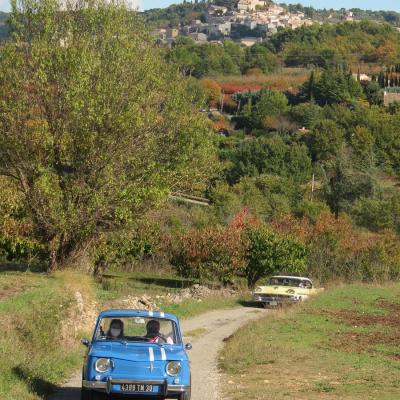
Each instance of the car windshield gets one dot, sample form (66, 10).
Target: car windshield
(293, 282)
(137, 329)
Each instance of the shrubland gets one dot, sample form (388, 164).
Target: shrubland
(96, 139)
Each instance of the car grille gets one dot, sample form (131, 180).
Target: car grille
(276, 297)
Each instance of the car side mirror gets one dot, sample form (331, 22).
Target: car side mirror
(188, 346)
(85, 342)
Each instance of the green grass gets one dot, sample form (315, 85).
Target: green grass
(117, 285)
(34, 355)
(344, 344)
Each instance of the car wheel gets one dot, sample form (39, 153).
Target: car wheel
(86, 394)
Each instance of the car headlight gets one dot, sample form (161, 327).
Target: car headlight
(102, 364)
(257, 289)
(173, 368)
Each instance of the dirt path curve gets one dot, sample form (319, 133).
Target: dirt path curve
(215, 326)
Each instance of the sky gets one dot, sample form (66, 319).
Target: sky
(336, 4)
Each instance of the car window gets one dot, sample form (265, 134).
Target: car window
(292, 282)
(137, 329)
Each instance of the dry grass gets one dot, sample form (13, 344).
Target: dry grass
(283, 79)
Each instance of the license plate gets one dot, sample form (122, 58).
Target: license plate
(273, 303)
(136, 387)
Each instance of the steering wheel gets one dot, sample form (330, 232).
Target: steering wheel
(157, 338)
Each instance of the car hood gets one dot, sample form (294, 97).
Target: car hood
(284, 290)
(135, 352)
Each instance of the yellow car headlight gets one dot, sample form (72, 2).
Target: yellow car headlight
(102, 364)
(173, 368)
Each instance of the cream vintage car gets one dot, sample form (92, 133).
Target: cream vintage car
(281, 290)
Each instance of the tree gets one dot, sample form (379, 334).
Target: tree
(213, 92)
(184, 57)
(325, 140)
(270, 105)
(269, 253)
(95, 128)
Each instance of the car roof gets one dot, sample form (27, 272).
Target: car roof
(290, 277)
(119, 313)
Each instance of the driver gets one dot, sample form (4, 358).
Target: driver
(116, 330)
(153, 333)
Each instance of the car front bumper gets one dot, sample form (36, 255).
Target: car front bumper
(275, 299)
(168, 389)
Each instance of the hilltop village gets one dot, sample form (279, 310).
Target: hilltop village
(249, 23)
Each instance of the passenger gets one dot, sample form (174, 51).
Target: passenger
(116, 330)
(154, 335)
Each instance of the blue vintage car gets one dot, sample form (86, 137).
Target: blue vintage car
(136, 353)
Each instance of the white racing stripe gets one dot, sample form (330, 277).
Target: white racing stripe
(151, 354)
(163, 354)
(162, 315)
(151, 313)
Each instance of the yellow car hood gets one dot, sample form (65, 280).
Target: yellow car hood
(285, 290)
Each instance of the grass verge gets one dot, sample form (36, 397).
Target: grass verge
(38, 344)
(117, 285)
(344, 344)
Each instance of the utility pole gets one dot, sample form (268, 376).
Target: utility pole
(312, 185)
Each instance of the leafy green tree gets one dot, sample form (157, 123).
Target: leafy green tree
(270, 104)
(95, 128)
(306, 114)
(378, 213)
(345, 186)
(269, 155)
(183, 55)
(325, 140)
(259, 56)
(269, 253)
(362, 143)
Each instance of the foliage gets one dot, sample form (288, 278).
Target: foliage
(94, 127)
(212, 91)
(268, 155)
(269, 253)
(211, 253)
(332, 86)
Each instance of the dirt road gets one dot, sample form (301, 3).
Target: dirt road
(208, 331)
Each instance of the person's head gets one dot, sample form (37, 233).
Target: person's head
(116, 328)
(153, 327)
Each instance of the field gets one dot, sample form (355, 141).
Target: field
(43, 317)
(282, 79)
(344, 344)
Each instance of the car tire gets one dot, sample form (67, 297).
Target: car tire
(86, 394)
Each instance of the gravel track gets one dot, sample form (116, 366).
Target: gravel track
(215, 325)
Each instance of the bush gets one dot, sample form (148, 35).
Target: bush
(268, 253)
(210, 254)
